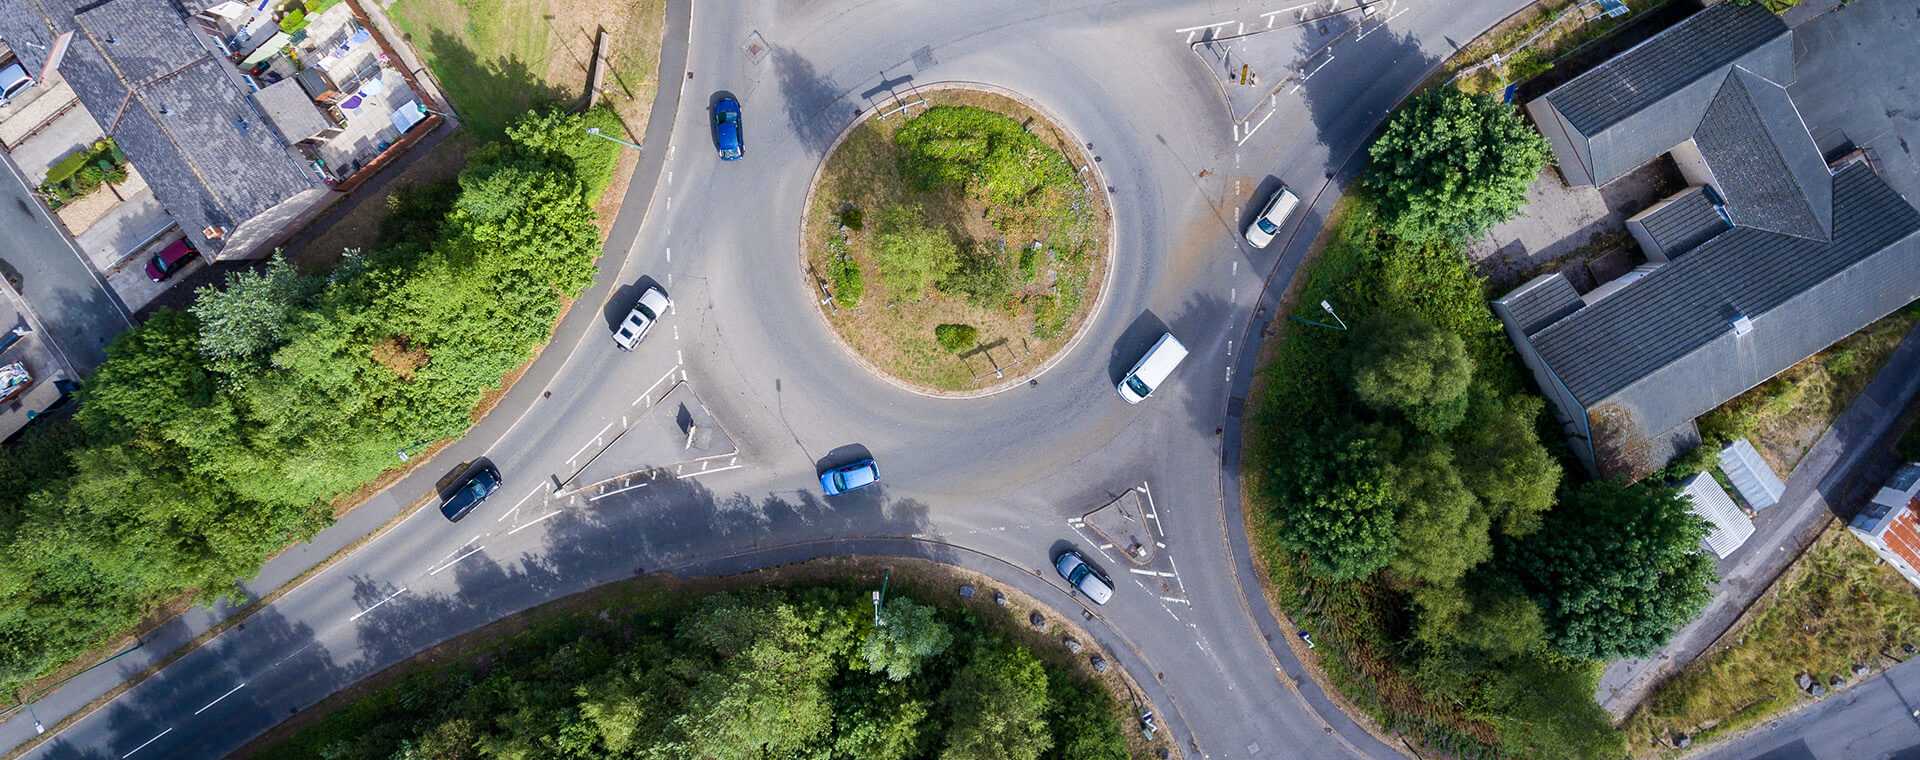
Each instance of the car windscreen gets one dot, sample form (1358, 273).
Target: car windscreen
(1139, 388)
(1268, 227)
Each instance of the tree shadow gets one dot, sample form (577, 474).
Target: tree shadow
(810, 96)
(215, 685)
(487, 94)
(1198, 323)
(1342, 95)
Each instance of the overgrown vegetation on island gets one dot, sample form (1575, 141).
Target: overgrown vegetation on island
(767, 674)
(214, 437)
(1462, 591)
(957, 217)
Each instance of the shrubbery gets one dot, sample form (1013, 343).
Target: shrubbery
(211, 438)
(83, 172)
(1451, 165)
(800, 673)
(955, 338)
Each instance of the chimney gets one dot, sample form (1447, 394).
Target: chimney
(1741, 324)
(213, 232)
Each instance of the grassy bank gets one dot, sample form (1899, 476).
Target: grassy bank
(1837, 607)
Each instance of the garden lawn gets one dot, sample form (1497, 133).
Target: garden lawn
(499, 58)
(1049, 291)
(1836, 607)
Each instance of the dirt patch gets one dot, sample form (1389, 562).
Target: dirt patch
(930, 582)
(896, 337)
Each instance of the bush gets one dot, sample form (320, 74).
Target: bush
(843, 274)
(851, 218)
(985, 152)
(956, 338)
(913, 257)
(1451, 165)
(294, 21)
(982, 277)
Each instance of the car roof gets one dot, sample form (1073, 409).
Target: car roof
(859, 474)
(1095, 587)
(1166, 354)
(176, 251)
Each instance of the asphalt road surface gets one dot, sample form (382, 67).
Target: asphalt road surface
(993, 483)
(71, 300)
(1872, 721)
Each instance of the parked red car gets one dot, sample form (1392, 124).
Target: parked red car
(175, 258)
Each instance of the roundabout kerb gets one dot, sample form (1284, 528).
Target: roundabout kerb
(1086, 168)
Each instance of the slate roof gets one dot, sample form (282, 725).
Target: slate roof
(180, 113)
(1763, 160)
(1540, 302)
(291, 110)
(1648, 99)
(1601, 349)
(1683, 222)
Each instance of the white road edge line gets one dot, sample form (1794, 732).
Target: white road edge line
(609, 493)
(216, 700)
(534, 520)
(1176, 573)
(455, 561)
(376, 605)
(1147, 489)
(143, 745)
(649, 392)
(516, 507)
(712, 471)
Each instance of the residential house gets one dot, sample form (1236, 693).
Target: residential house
(1889, 525)
(193, 101)
(1769, 256)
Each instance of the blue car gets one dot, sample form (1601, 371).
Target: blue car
(478, 487)
(852, 477)
(728, 135)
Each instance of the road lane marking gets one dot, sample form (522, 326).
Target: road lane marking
(534, 520)
(1147, 489)
(216, 700)
(376, 605)
(457, 549)
(615, 491)
(1154, 573)
(712, 471)
(1176, 600)
(648, 395)
(143, 745)
(1242, 140)
(516, 507)
(1176, 573)
(456, 560)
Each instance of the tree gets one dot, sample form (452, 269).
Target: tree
(910, 256)
(1337, 504)
(909, 633)
(1451, 165)
(1403, 363)
(996, 706)
(1503, 462)
(1082, 721)
(1616, 568)
(1442, 527)
(876, 722)
(254, 314)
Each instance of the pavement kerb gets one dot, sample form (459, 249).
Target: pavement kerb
(1099, 301)
(539, 374)
(801, 551)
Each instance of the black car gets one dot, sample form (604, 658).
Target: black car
(481, 484)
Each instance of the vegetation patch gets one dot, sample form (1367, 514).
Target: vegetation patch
(1401, 497)
(794, 670)
(212, 438)
(84, 171)
(969, 213)
(1786, 414)
(1837, 608)
(1528, 44)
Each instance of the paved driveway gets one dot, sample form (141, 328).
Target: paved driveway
(69, 297)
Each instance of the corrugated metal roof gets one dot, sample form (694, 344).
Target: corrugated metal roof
(1731, 528)
(1751, 475)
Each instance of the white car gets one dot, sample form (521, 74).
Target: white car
(13, 80)
(1267, 225)
(653, 305)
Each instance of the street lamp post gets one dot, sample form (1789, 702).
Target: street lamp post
(1339, 324)
(879, 596)
(595, 131)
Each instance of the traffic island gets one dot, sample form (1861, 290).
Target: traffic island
(956, 240)
(675, 436)
(1123, 524)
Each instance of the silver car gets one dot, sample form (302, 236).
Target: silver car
(1082, 575)
(1267, 225)
(652, 306)
(13, 80)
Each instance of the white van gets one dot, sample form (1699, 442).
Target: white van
(1152, 369)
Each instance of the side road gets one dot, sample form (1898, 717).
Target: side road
(1828, 482)
(72, 698)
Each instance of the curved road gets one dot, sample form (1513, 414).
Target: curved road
(990, 483)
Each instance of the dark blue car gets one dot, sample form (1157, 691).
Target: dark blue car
(727, 132)
(481, 484)
(851, 477)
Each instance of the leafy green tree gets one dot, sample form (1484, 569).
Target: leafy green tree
(983, 276)
(768, 696)
(1403, 363)
(560, 135)
(1082, 721)
(1442, 527)
(1503, 462)
(879, 721)
(911, 256)
(1616, 568)
(1337, 502)
(255, 313)
(909, 633)
(996, 706)
(1451, 165)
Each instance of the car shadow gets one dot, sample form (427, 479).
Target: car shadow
(843, 455)
(620, 302)
(1139, 336)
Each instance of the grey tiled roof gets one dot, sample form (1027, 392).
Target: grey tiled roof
(1603, 348)
(1698, 47)
(291, 110)
(1684, 221)
(1540, 302)
(180, 113)
(1763, 160)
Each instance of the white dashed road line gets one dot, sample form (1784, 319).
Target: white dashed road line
(454, 561)
(216, 700)
(532, 521)
(143, 745)
(376, 605)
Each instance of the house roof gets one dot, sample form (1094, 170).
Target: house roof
(1729, 527)
(1681, 223)
(1601, 349)
(178, 110)
(292, 110)
(1540, 302)
(1763, 159)
(1648, 99)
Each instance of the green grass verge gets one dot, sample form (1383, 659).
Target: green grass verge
(490, 55)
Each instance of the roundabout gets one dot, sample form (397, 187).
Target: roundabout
(995, 483)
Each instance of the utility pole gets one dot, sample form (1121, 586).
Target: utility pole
(879, 596)
(595, 131)
(1340, 325)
